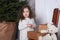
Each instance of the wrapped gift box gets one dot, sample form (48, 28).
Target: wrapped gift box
(7, 30)
(34, 35)
(41, 27)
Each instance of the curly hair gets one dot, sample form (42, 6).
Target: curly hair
(31, 14)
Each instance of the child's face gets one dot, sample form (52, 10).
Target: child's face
(26, 12)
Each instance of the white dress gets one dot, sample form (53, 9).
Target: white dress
(23, 28)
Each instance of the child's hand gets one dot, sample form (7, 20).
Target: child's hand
(30, 25)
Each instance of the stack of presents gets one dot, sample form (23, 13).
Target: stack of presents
(44, 32)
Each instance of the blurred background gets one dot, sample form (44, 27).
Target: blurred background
(42, 8)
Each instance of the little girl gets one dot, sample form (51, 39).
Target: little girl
(26, 22)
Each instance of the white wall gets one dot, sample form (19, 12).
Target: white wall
(44, 10)
(32, 4)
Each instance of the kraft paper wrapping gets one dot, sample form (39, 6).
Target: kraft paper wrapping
(7, 31)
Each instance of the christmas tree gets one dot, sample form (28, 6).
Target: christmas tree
(9, 9)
